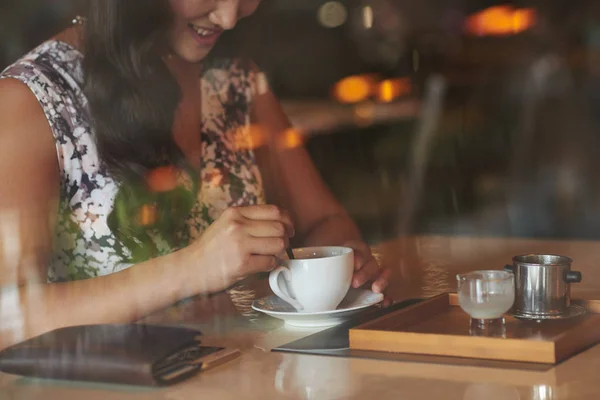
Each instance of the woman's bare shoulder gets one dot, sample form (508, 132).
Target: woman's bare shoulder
(15, 90)
(24, 132)
(19, 108)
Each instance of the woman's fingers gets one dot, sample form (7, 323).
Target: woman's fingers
(361, 259)
(365, 273)
(263, 229)
(267, 213)
(269, 246)
(261, 263)
(387, 301)
(382, 282)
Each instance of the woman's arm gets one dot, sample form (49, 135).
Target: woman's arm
(29, 190)
(293, 180)
(242, 241)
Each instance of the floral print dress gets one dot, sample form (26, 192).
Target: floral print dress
(84, 246)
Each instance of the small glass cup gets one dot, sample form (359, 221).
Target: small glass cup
(486, 295)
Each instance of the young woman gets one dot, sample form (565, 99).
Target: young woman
(135, 142)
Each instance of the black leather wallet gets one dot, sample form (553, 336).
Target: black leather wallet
(124, 354)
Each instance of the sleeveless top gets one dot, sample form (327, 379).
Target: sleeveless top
(83, 244)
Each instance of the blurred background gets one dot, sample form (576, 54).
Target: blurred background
(462, 117)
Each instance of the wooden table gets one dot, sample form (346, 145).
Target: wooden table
(424, 266)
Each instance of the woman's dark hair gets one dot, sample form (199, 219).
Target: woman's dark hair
(132, 95)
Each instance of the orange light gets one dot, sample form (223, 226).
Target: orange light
(250, 137)
(290, 139)
(162, 179)
(353, 89)
(523, 19)
(391, 89)
(500, 21)
(386, 91)
(148, 214)
(215, 177)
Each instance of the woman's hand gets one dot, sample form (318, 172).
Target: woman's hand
(366, 268)
(242, 242)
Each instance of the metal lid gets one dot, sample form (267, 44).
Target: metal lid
(544, 260)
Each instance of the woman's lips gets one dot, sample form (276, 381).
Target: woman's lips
(208, 38)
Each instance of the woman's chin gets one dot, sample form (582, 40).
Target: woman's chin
(196, 59)
(193, 56)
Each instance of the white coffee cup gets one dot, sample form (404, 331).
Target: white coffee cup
(317, 279)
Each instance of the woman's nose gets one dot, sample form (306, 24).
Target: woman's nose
(225, 14)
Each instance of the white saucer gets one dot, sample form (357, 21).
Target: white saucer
(355, 301)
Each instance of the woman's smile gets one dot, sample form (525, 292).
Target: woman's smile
(204, 36)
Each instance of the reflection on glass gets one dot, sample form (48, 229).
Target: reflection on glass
(242, 298)
(543, 392)
(495, 329)
(353, 89)
(500, 21)
(311, 377)
(367, 15)
(490, 391)
(332, 14)
(435, 267)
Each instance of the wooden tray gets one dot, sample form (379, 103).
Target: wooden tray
(438, 326)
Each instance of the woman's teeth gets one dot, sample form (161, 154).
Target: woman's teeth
(200, 31)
